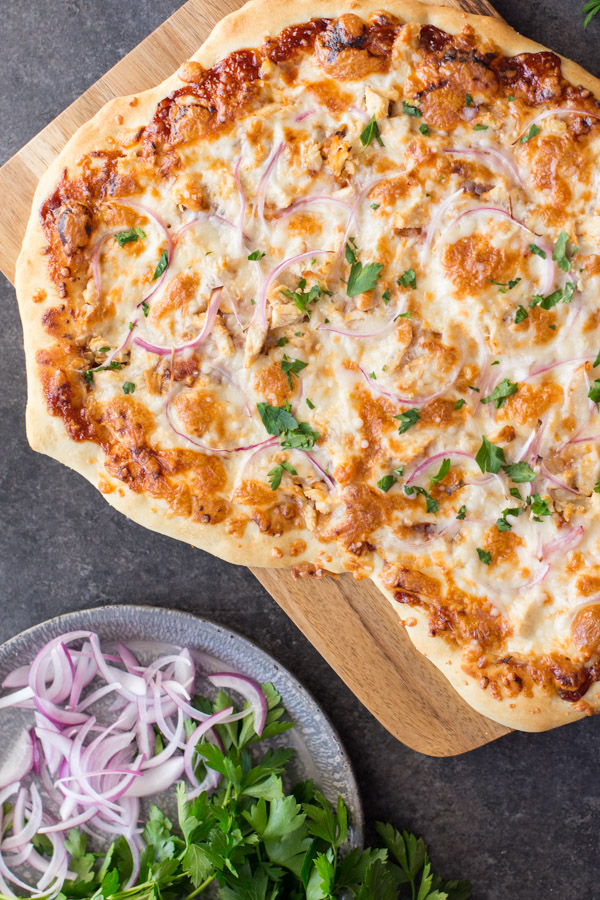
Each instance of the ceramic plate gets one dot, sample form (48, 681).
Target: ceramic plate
(319, 752)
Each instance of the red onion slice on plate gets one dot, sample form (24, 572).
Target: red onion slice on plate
(250, 691)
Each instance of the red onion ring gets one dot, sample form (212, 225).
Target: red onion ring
(561, 113)
(406, 401)
(209, 321)
(566, 542)
(261, 306)
(259, 206)
(505, 161)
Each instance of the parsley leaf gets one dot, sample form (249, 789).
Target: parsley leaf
(462, 512)
(371, 132)
(276, 474)
(163, 262)
(302, 298)
(431, 505)
(484, 555)
(519, 472)
(276, 419)
(480, 127)
(569, 290)
(539, 507)
(594, 392)
(424, 129)
(387, 482)
(361, 278)
(548, 301)
(407, 420)
(530, 134)
(301, 438)
(443, 471)
(505, 389)
(490, 457)
(460, 403)
(309, 403)
(468, 100)
(503, 524)
(537, 250)
(128, 387)
(521, 314)
(256, 255)
(129, 236)
(292, 367)
(560, 252)
(145, 308)
(410, 110)
(408, 279)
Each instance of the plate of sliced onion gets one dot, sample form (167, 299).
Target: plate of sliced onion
(103, 711)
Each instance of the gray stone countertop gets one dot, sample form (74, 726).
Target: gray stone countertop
(520, 818)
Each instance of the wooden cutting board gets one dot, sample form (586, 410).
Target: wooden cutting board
(350, 623)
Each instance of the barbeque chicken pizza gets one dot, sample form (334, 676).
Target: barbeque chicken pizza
(329, 298)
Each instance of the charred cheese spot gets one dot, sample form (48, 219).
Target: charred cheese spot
(585, 629)
(179, 293)
(199, 411)
(530, 402)
(130, 421)
(473, 262)
(272, 384)
(502, 545)
(557, 162)
(588, 585)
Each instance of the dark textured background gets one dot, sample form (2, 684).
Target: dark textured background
(519, 817)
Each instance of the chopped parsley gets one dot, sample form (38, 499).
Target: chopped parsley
(410, 110)
(490, 457)
(431, 505)
(255, 256)
(443, 471)
(361, 278)
(129, 236)
(145, 308)
(279, 421)
(514, 492)
(480, 127)
(128, 387)
(282, 342)
(569, 290)
(460, 403)
(292, 367)
(521, 314)
(398, 471)
(386, 297)
(462, 512)
(371, 132)
(594, 392)
(468, 100)
(276, 474)
(387, 482)
(163, 262)
(504, 286)
(103, 349)
(302, 298)
(503, 524)
(530, 134)
(484, 555)
(375, 205)
(537, 250)
(597, 487)
(511, 98)
(424, 129)
(519, 472)
(408, 279)
(505, 389)
(548, 301)
(560, 252)
(539, 507)
(89, 377)
(596, 362)
(407, 420)
(309, 403)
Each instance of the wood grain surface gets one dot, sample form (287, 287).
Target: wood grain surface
(350, 623)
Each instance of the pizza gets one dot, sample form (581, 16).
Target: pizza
(327, 298)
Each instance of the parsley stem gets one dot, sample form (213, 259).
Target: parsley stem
(200, 889)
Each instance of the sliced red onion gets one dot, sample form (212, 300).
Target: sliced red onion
(307, 201)
(364, 192)
(251, 692)
(96, 250)
(136, 861)
(242, 214)
(132, 686)
(228, 377)
(27, 832)
(305, 115)
(209, 321)
(537, 578)
(565, 542)
(556, 481)
(18, 678)
(17, 698)
(468, 113)
(72, 822)
(560, 113)
(361, 334)
(103, 365)
(20, 761)
(407, 401)
(202, 730)
(564, 362)
(447, 454)
(157, 779)
(438, 216)
(325, 475)
(503, 158)
(259, 206)
(261, 306)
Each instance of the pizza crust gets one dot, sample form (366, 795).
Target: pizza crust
(46, 434)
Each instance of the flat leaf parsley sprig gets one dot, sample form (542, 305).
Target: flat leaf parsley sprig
(250, 839)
